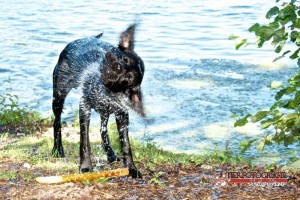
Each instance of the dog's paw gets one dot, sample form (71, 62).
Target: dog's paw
(85, 170)
(134, 173)
(113, 158)
(85, 166)
(58, 152)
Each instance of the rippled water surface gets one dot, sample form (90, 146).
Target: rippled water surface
(194, 80)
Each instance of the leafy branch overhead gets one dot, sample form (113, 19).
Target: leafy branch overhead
(283, 117)
(282, 29)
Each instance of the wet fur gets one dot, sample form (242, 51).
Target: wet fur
(110, 79)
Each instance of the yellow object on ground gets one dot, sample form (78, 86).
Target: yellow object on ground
(83, 177)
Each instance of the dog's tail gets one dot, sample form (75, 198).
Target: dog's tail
(99, 36)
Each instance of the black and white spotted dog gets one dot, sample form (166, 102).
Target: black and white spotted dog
(110, 78)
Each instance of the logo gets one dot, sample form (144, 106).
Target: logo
(252, 178)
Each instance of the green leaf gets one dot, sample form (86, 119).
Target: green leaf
(295, 54)
(290, 90)
(254, 27)
(290, 105)
(291, 116)
(278, 36)
(297, 98)
(286, 52)
(260, 42)
(296, 22)
(298, 62)
(289, 139)
(265, 141)
(261, 145)
(280, 94)
(233, 116)
(298, 40)
(279, 136)
(274, 24)
(286, 12)
(259, 116)
(237, 46)
(278, 58)
(293, 16)
(279, 47)
(265, 32)
(242, 121)
(294, 35)
(266, 123)
(233, 37)
(246, 145)
(293, 1)
(273, 11)
(295, 81)
(284, 91)
(284, 21)
(296, 131)
(268, 142)
(276, 105)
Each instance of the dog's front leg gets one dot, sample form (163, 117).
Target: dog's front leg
(122, 120)
(85, 148)
(111, 156)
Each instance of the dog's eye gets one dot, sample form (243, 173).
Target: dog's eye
(117, 68)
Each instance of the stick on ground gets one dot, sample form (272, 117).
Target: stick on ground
(83, 177)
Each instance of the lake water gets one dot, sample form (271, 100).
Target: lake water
(195, 79)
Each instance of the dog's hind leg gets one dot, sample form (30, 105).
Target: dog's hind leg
(61, 87)
(122, 120)
(57, 107)
(85, 148)
(111, 156)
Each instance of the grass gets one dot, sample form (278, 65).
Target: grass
(8, 175)
(149, 154)
(36, 150)
(17, 119)
(15, 174)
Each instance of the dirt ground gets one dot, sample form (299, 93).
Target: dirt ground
(166, 182)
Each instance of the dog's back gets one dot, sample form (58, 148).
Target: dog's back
(76, 58)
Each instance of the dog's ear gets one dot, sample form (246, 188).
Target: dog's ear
(136, 99)
(126, 42)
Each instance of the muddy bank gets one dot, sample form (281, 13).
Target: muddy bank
(165, 182)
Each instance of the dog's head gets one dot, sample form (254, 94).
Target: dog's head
(123, 70)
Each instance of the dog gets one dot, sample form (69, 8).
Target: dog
(110, 78)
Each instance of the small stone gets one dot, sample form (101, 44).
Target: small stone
(27, 165)
(20, 134)
(207, 167)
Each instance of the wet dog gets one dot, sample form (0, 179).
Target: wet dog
(110, 78)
